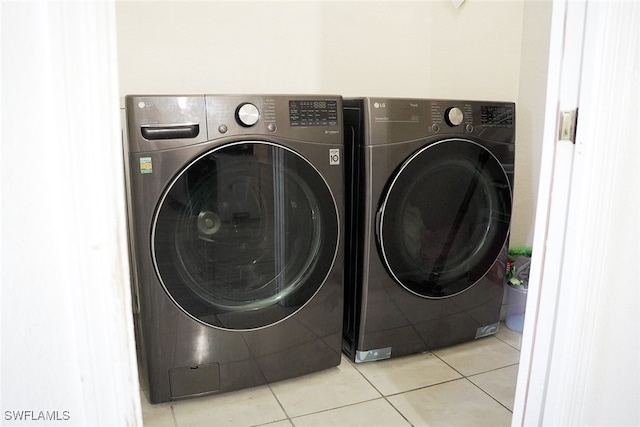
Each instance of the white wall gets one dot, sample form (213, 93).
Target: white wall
(534, 59)
(68, 355)
(422, 49)
(360, 48)
(392, 48)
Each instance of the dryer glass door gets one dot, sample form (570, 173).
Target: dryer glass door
(245, 235)
(444, 218)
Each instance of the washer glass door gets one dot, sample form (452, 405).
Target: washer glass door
(444, 218)
(245, 235)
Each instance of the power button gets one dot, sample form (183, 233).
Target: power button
(247, 114)
(453, 116)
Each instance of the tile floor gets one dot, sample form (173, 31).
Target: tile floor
(471, 384)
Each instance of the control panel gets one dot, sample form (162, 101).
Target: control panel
(497, 115)
(400, 119)
(158, 122)
(470, 114)
(315, 118)
(301, 113)
(313, 113)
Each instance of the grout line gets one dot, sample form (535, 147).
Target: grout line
(508, 343)
(425, 386)
(398, 411)
(286, 414)
(290, 418)
(503, 324)
(488, 394)
(449, 365)
(173, 415)
(353, 364)
(336, 407)
(492, 370)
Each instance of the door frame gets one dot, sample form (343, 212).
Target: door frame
(570, 356)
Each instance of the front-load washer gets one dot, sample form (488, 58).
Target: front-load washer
(236, 236)
(429, 194)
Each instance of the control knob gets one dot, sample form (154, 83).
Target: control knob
(453, 116)
(247, 114)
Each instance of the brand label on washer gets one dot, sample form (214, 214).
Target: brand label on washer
(145, 165)
(334, 156)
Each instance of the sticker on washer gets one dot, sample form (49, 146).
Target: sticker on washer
(334, 156)
(145, 165)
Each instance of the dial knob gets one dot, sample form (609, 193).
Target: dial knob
(454, 116)
(247, 114)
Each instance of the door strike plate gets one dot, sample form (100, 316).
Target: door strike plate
(568, 124)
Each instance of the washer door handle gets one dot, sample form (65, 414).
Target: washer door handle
(181, 131)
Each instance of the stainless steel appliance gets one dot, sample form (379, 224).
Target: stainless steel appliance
(236, 225)
(429, 208)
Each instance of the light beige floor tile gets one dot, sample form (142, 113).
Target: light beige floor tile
(514, 339)
(247, 407)
(159, 415)
(367, 414)
(406, 373)
(324, 390)
(284, 423)
(479, 356)
(457, 403)
(500, 384)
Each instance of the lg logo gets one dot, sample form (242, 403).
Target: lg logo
(379, 105)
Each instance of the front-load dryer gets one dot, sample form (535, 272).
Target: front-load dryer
(236, 235)
(429, 206)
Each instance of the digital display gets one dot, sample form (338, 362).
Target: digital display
(313, 113)
(496, 116)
